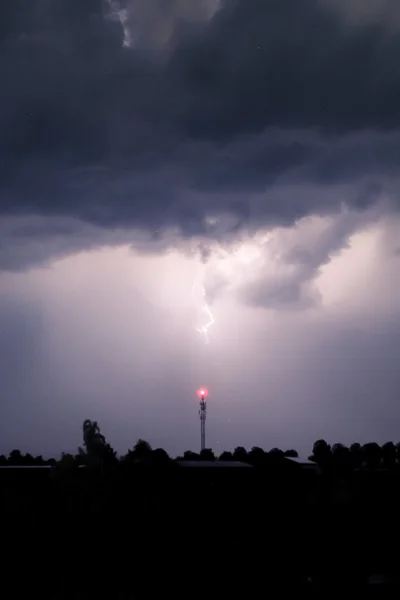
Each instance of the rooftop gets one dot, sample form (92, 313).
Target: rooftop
(303, 462)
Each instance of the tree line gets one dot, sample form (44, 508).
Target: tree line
(97, 451)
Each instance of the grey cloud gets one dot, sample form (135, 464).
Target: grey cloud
(360, 12)
(240, 103)
(293, 64)
(31, 240)
(282, 293)
(275, 156)
(293, 257)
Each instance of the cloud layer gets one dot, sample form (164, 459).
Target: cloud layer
(211, 110)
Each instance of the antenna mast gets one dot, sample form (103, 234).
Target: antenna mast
(202, 414)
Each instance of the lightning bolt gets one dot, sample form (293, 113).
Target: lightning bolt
(204, 309)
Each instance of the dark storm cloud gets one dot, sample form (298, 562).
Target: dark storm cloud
(34, 240)
(296, 64)
(225, 110)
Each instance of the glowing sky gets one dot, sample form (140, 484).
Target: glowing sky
(250, 148)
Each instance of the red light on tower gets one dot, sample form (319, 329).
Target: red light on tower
(202, 393)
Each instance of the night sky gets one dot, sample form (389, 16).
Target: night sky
(164, 160)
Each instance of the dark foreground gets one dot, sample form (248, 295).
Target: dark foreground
(169, 530)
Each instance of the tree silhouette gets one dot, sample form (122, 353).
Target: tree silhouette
(67, 461)
(15, 458)
(160, 457)
(108, 455)
(276, 453)
(97, 452)
(28, 460)
(341, 459)
(256, 456)
(226, 456)
(388, 455)
(207, 454)
(141, 452)
(337, 460)
(372, 455)
(356, 455)
(398, 452)
(321, 454)
(291, 453)
(189, 455)
(240, 454)
(142, 449)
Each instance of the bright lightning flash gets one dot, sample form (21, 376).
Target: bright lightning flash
(204, 310)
